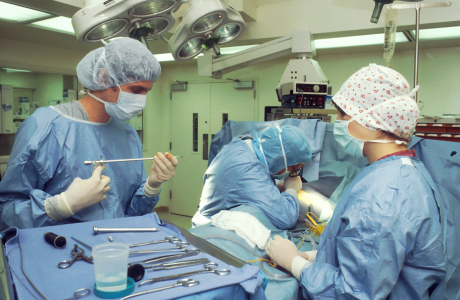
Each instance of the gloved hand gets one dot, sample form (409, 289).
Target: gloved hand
(309, 255)
(282, 252)
(163, 169)
(84, 193)
(294, 183)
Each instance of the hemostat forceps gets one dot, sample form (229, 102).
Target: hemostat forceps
(78, 254)
(171, 239)
(208, 268)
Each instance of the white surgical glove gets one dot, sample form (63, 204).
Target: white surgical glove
(163, 169)
(309, 255)
(293, 183)
(282, 252)
(80, 194)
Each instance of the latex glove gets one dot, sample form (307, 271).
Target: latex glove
(309, 255)
(84, 193)
(163, 169)
(293, 183)
(282, 252)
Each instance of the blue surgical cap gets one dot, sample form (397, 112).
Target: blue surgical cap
(295, 143)
(121, 61)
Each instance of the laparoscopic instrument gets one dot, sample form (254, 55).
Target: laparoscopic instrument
(188, 282)
(208, 268)
(97, 230)
(102, 162)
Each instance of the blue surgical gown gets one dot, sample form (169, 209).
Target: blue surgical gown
(236, 177)
(49, 152)
(386, 238)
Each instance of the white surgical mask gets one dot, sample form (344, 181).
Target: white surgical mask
(350, 144)
(127, 106)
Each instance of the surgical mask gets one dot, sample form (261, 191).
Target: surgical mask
(350, 144)
(127, 106)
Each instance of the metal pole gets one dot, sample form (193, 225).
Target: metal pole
(417, 27)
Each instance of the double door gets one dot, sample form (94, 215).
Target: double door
(197, 114)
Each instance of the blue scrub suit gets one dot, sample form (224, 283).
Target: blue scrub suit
(49, 152)
(385, 240)
(235, 177)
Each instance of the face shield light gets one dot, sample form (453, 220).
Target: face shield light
(207, 23)
(152, 7)
(227, 32)
(191, 48)
(106, 30)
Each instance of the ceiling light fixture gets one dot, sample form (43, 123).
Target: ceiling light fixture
(205, 25)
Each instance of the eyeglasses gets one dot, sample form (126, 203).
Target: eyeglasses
(296, 173)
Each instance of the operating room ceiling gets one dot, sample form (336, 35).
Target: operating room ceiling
(265, 20)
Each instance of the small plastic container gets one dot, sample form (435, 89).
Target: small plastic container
(110, 266)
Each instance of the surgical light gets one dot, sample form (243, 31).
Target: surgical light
(205, 25)
(152, 7)
(140, 19)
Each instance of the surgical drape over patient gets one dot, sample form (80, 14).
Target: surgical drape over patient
(120, 62)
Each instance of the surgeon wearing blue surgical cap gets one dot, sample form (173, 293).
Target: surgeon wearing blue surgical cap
(46, 182)
(243, 173)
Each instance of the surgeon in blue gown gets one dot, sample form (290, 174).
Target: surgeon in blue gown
(46, 181)
(244, 171)
(387, 237)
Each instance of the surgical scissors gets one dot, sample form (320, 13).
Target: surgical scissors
(183, 282)
(80, 294)
(171, 239)
(179, 247)
(208, 268)
(77, 255)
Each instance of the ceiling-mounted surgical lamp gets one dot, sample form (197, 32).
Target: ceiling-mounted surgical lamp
(140, 19)
(205, 25)
(379, 6)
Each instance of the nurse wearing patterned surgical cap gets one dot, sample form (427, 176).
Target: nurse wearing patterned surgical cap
(386, 238)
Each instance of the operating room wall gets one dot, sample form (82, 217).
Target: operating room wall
(439, 74)
(48, 87)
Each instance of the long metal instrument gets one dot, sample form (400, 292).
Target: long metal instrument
(165, 258)
(97, 230)
(78, 241)
(183, 282)
(170, 239)
(92, 162)
(175, 265)
(178, 248)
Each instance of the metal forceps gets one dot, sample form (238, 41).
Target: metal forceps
(183, 282)
(78, 254)
(208, 268)
(80, 294)
(179, 248)
(171, 239)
